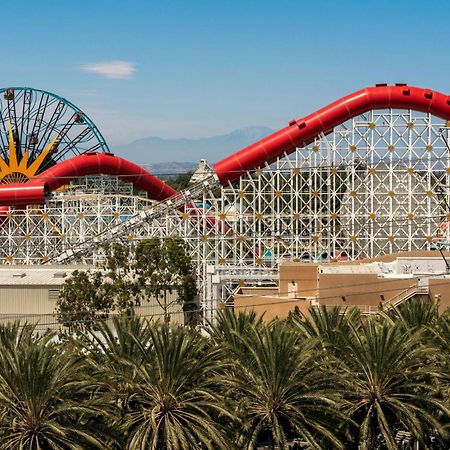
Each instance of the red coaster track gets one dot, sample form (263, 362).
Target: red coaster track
(297, 134)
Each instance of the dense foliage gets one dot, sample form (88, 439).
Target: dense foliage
(130, 276)
(180, 181)
(324, 381)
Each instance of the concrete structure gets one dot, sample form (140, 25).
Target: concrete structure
(370, 285)
(29, 293)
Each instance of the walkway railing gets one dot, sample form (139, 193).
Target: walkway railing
(404, 295)
(399, 298)
(363, 309)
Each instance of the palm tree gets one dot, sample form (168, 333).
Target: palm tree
(388, 384)
(114, 354)
(173, 401)
(440, 332)
(44, 393)
(280, 392)
(328, 325)
(414, 314)
(115, 346)
(230, 325)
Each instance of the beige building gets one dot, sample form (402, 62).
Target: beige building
(369, 285)
(29, 293)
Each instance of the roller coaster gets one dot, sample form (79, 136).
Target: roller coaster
(364, 176)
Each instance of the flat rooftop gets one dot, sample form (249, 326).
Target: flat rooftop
(47, 275)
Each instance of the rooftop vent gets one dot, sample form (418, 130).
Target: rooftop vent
(60, 275)
(19, 274)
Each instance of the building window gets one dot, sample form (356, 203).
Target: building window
(53, 294)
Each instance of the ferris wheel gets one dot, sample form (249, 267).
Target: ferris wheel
(39, 129)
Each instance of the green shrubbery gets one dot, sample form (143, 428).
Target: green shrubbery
(331, 381)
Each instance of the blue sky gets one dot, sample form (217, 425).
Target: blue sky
(199, 68)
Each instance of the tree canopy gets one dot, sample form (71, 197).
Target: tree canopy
(130, 276)
(325, 380)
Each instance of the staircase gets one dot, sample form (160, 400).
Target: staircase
(405, 295)
(398, 299)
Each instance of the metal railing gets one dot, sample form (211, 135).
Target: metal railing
(404, 295)
(399, 298)
(363, 309)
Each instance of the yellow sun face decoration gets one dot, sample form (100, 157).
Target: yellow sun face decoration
(15, 171)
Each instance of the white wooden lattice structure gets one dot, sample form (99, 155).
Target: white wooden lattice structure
(376, 184)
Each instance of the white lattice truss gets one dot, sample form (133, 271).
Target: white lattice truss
(378, 183)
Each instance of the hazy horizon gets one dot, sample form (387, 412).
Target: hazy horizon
(154, 149)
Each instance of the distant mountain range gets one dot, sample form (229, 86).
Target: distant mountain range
(181, 155)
